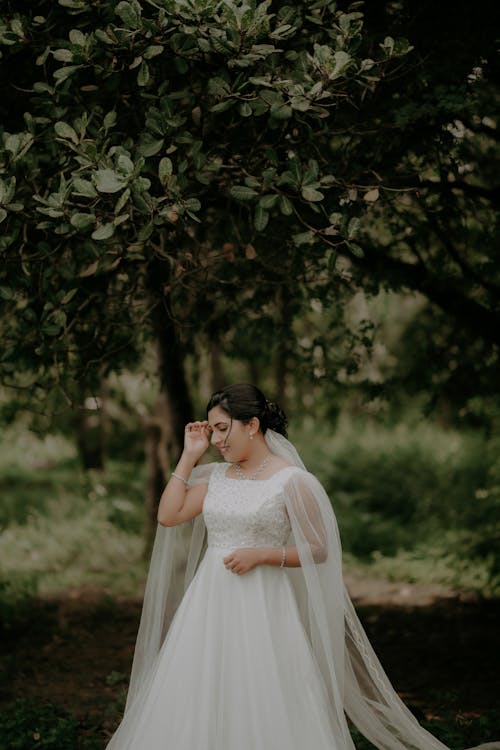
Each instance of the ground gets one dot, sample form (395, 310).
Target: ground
(439, 649)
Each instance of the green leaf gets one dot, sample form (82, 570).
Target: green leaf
(281, 111)
(108, 181)
(104, 232)
(150, 146)
(245, 109)
(355, 249)
(65, 131)
(260, 218)
(18, 144)
(82, 221)
(252, 182)
(286, 206)
(68, 296)
(61, 74)
(165, 169)
(122, 200)
(109, 120)
(153, 51)
(6, 292)
(222, 106)
(341, 59)
(300, 103)
(242, 193)
(304, 238)
(63, 55)
(130, 13)
(192, 204)
(77, 38)
(268, 201)
(84, 188)
(311, 195)
(353, 227)
(125, 165)
(3, 214)
(335, 218)
(143, 75)
(7, 190)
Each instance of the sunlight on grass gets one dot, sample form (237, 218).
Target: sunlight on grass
(74, 545)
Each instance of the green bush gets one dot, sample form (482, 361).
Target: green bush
(416, 500)
(28, 724)
(17, 593)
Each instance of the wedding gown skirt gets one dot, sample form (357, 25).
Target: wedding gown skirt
(236, 670)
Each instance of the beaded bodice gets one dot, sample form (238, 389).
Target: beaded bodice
(245, 512)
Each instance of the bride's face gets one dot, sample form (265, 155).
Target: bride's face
(230, 437)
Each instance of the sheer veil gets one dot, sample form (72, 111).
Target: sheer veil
(354, 678)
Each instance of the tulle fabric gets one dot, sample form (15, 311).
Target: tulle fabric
(353, 678)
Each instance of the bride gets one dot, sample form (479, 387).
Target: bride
(248, 639)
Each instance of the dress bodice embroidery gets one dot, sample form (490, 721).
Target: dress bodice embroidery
(245, 512)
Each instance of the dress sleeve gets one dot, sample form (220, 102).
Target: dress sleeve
(201, 474)
(174, 559)
(352, 672)
(319, 590)
(307, 515)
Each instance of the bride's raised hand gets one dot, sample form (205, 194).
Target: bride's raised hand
(196, 439)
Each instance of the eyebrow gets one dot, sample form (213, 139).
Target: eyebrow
(217, 424)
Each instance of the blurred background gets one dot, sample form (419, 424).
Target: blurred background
(302, 197)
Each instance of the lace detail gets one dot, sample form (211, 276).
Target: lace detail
(246, 513)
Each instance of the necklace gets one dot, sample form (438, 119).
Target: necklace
(241, 474)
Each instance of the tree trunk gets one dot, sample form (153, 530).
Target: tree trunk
(89, 427)
(218, 377)
(165, 428)
(284, 328)
(158, 464)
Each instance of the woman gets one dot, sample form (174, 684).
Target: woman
(260, 648)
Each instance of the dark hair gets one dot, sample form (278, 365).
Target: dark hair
(242, 401)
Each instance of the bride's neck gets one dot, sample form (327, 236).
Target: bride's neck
(255, 456)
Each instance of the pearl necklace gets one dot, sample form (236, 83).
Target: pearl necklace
(241, 474)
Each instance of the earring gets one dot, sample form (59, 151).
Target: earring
(251, 436)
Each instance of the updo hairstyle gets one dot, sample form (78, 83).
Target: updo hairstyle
(242, 401)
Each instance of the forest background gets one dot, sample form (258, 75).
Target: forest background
(303, 196)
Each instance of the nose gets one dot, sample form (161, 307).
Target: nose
(213, 439)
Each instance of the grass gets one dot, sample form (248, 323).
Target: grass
(65, 528)
(413, 502)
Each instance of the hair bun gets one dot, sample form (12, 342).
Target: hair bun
(275, 418)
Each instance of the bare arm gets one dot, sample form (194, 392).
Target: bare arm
(178, 503)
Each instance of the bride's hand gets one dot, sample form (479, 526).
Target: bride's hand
(196, 439)
(242, 560)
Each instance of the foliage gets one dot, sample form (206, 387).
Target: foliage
(216, 168)
(120, 191)
(17, 594)
(29, 724)
(55, 518)
(414, 501)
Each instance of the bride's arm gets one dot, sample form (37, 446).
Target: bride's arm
(178, 503)
(244, 559)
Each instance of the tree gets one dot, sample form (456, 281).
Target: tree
(155, 154)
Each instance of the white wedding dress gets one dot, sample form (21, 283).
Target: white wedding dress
(272, 659)
(236, 670)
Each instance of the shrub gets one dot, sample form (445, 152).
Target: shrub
(417, 500)
(28, 724)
